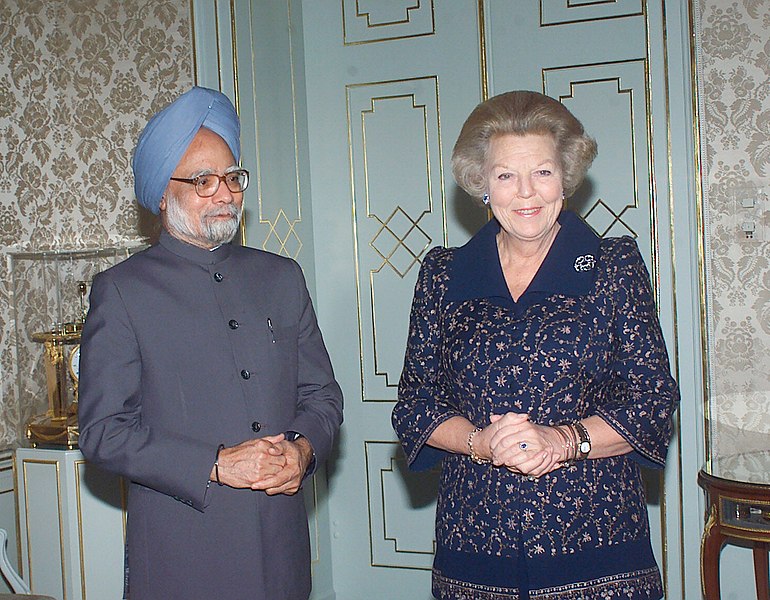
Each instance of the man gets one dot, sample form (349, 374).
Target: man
(204, 378)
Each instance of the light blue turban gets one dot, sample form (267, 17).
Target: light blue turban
(168, 134)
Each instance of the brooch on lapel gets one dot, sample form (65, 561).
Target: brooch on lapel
(585, 263)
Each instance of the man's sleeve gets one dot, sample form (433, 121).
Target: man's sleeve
(319, 397)
(112, 432)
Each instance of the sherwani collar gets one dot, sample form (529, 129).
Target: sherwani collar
(196, 254)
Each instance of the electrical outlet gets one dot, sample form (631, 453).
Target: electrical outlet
(751, 213)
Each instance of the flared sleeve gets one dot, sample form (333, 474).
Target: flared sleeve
(423, 403)
(640, 396)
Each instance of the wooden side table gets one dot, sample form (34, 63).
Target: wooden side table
(738, 490)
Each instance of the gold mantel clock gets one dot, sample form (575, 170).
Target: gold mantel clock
(59, 425)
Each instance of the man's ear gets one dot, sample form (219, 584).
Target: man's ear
(162, 204)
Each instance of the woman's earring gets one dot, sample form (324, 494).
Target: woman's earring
(485, 198)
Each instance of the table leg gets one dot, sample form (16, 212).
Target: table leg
(710, 547)
(761, 570)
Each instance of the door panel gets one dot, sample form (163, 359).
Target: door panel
(399, 213)
(383, 113)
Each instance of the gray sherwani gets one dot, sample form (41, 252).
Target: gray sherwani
(185, 349)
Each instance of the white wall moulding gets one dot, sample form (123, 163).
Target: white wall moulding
(8, 511)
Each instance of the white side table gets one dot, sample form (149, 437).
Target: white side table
(71, 525)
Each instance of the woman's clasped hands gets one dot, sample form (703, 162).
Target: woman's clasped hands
(522, 446)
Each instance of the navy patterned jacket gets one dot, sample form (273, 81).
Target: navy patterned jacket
(584, 339)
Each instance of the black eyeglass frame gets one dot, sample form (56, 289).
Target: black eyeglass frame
(220, 178)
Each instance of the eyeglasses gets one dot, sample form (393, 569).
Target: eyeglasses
(208, 185)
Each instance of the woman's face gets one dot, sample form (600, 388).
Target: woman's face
(524, 182)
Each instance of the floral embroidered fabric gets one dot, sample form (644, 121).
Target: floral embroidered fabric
(577, 343)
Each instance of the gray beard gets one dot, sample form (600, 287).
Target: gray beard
(205, 232)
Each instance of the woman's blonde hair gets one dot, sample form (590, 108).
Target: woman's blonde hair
(521, 113)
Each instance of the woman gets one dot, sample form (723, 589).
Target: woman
(536, 371)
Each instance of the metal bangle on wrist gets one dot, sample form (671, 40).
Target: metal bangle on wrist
(567, 444)
(475, 457)
(216, 464)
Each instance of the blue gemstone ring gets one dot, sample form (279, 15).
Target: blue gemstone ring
(523, 446)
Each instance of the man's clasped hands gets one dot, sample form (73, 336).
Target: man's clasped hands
(272, 464)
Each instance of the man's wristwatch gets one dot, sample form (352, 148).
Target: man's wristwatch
(584, 443)
(292, 436)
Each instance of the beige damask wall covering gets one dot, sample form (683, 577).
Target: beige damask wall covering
(78, 79)
(735, 77)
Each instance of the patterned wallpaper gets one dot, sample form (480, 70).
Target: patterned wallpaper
(78, 79)
(735, 136)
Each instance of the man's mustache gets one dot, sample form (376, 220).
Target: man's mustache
(228, 211)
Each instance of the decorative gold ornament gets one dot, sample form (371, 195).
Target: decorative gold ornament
(58, 426)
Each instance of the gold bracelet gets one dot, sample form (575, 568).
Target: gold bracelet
(475, 457)
(573, 435)
(566, 431)
(566, 444)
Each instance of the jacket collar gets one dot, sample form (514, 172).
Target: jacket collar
(196, 254)
(569, 267)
